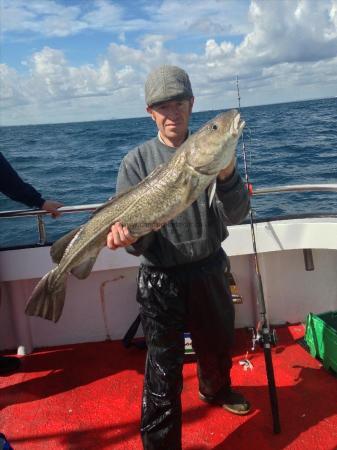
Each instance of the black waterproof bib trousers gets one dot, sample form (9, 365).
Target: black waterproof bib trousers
(196, 298)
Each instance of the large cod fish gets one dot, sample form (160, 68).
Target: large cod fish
(160, 197)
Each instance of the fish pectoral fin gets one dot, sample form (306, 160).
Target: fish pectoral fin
(84, 269)
(211, 192)
(59, 247)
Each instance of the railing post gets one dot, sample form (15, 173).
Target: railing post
(41, 229)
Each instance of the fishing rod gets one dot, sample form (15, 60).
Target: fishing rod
(262, 335)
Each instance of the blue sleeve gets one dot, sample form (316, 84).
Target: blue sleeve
(15, 188)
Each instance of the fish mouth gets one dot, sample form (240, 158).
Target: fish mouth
(237, 125)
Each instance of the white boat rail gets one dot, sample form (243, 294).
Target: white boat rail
(39, 213)
(332, 187)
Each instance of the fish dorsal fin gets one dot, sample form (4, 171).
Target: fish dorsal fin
(59, 247)
(211, 192)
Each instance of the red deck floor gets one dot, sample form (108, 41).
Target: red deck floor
(87, 396)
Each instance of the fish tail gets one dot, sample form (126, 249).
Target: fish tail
(47, 298)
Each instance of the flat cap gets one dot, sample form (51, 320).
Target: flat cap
(166, 83)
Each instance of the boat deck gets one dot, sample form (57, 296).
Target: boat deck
(87, 396)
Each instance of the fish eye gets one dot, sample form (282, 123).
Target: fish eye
(214, 127)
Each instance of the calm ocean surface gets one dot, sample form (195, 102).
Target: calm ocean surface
(77, 163)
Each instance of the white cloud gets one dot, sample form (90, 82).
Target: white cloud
(107, 16)
(214, 51)
(50, 18)
(290, 31)
(210, 18)
(288, 52)
(11, 89)
(46, 17)
(104, 15)
(333, 16)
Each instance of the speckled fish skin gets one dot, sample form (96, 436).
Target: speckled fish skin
(147, 206)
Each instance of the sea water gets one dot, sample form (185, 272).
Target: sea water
(77, 163)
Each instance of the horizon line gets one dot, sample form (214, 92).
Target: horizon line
(142, 117)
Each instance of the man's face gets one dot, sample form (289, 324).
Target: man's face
(172, 118)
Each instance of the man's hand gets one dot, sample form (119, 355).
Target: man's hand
(52, 207)
(119, 236)
(228, 172)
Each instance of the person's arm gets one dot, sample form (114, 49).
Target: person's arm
(234, 196)
(12, 185)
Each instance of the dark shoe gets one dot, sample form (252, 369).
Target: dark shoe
(9, 364)
(229, 400)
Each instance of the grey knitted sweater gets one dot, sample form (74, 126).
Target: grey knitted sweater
(199, 230)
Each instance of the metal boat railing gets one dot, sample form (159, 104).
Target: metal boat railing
(39, 214)
(332, 187)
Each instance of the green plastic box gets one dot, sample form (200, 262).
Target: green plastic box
(321, 338)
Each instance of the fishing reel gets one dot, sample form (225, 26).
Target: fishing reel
(263, 336)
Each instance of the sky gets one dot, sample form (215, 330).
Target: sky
(81, 60)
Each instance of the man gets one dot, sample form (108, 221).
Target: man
(15, 188)
(181, 281)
